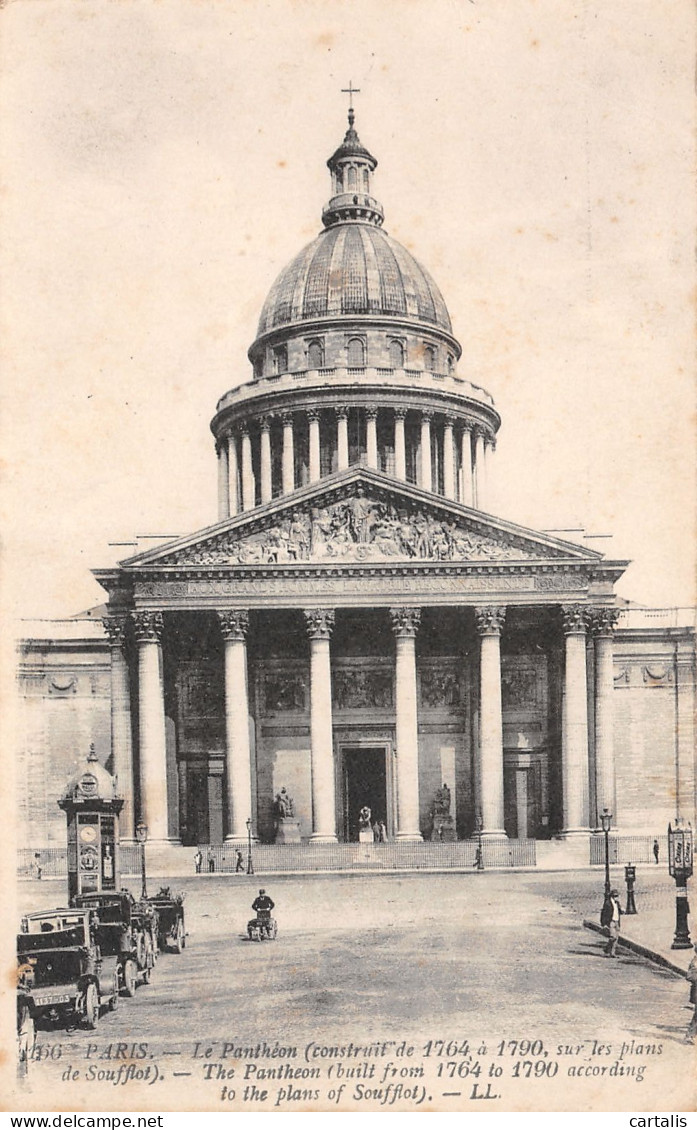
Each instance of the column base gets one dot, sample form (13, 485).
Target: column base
(239, 841)
(321, 838)
(495, 834)
(574, 833)
(409, 837)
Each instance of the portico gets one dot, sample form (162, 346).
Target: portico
(364, 615)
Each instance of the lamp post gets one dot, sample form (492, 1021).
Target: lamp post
(479, 860)
(141, 837)
(250, 865)
(606, 824)
(680, 868)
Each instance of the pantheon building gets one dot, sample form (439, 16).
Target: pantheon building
(358, 628)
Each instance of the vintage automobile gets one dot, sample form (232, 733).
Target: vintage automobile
(62, 970)
(171, 933)
(126, 933)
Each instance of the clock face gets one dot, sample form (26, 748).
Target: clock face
(88, 834)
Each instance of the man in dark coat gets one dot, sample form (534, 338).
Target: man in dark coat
(610, 917)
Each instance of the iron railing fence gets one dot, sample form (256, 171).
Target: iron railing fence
(53, 862)
(628, 849)
(379, 857)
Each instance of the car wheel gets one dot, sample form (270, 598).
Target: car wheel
(178, 944)
(114, 999)
(129, 977)
(91, 1006)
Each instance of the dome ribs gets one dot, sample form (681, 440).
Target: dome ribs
(316, 289)
(372, 272)
(392, 297)
(353, 298)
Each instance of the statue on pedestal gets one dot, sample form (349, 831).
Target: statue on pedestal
(442, 822)
(287, 826)
(365, 826)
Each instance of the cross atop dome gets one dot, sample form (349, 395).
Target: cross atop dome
(351, 90)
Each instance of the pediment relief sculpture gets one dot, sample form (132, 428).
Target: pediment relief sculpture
(353, 529)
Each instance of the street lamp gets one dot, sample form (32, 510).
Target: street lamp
(680, 868)
(141, 836)
(250, 865)
(479, 859)
(606, 824)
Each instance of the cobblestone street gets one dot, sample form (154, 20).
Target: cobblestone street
(485, 958)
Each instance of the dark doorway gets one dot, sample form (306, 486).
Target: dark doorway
(198, 827)
(365, 782)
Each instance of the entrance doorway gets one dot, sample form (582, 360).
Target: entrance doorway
(365, 783)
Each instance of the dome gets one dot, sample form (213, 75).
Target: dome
(353, 269)
(92, 782)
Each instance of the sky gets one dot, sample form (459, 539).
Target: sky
(165, 159)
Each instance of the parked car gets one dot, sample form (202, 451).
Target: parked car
(125, 933)
(171, 932)
(62, 970)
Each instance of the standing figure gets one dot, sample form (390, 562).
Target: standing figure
(239, 864)
(656, 850)
(610, 917)
(198, 860)
(211, 860)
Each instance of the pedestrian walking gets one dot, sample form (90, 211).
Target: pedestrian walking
(239, 863)
(38, 869)
(692, 978)
(610, 917)
(656, 850)
(198, 860)
(211, 860)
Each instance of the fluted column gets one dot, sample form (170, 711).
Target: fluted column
(405, 625)
(575, 722)
(371, 437)
(233, 474)
(315, 462)
(489, 449)
(248, 485)
(234, 626)
(151, 725)
(121, 726)
(426, 473)
(603, 623)
(288, 457)
(448, 459)
(479, 469)
(265, 460)
(223, 480)
(466, 453)
(489, 624)
(342, 445)
(400, 447)
(320, 623)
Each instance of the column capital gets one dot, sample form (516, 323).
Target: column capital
(448, 419)
(405, 622)
(480, 431)
(234, 624)
(115, 625)
(147, 626)
(574, 619)
(426, 415)
(287, 419)
(371, 412)
(467, 425)
(319, 622)
(221, 446)
(244, 429)
(400, 412)
(265, 423)
(342, 411)
(312, 413)
(490, 618)
(603, 621)
(490, 439)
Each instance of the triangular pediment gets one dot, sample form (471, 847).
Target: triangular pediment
(358, 516)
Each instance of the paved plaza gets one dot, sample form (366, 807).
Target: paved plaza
(484, 958)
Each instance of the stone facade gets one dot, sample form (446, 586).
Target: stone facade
(358, 627)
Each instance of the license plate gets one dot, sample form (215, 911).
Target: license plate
(62, 998)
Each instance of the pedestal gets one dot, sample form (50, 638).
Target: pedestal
(443, 830)
(288, 830)
(365, 836)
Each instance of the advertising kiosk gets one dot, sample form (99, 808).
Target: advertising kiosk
(92, 810)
